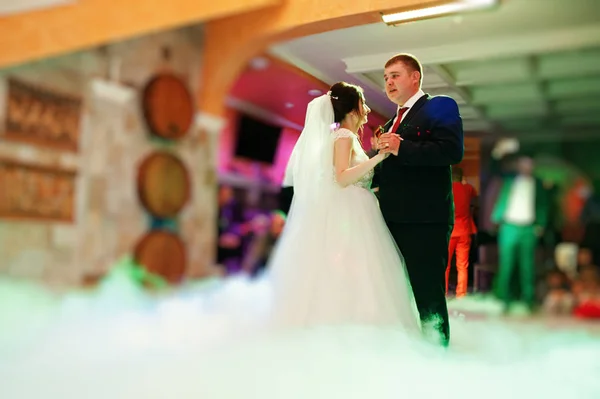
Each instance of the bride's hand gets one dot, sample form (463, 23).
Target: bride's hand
(384, 153)
(390, 141)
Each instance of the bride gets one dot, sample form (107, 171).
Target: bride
(336, 262)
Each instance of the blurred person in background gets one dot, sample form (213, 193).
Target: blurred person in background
(266, 229)
(521, 212)
(465, 196)
(558, 299)
(590, 218)
(229, 230)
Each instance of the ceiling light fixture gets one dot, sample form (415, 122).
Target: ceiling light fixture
(441, 8)
(315, 92)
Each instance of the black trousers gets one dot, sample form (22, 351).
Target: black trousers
(425, 250)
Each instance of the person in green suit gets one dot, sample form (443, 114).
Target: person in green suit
(521, 213)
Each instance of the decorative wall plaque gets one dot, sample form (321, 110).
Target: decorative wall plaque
(42, 117)
(36, 192)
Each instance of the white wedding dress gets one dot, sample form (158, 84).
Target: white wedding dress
(338, 263)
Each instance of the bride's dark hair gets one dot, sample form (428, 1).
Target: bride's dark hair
(345, 98)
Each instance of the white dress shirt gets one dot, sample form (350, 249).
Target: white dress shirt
(520, 209)
(408, 104)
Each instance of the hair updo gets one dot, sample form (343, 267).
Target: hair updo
(345, 98)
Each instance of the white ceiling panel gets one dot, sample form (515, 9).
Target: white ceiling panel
(517, 110)
(568, 64)
(577, 106)
(529, 65)
(577, 87)
(495, 71)
(483, 95)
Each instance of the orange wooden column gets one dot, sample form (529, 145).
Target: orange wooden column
(87, 23)
(231, 42)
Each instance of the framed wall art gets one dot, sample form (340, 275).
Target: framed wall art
(36, 192)
(42, 117)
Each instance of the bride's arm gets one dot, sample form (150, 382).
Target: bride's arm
(342, 153)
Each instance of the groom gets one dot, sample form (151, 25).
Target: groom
(415, 185)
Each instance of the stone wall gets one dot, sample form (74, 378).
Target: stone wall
(114, 140)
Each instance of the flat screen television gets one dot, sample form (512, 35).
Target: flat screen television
(256, 140)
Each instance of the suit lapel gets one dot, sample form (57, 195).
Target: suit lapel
(415, 108)
(388, 125)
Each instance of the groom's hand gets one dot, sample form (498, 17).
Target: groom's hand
(390, 142)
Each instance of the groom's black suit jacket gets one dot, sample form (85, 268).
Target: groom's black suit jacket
(416, 185)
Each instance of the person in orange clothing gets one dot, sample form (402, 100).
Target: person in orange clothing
(464, 227)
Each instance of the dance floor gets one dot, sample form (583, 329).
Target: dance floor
(486, 308)
(206, 341)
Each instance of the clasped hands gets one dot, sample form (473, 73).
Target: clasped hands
(389, 143)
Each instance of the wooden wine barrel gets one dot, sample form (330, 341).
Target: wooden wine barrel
(162, 253)
(163, 184)
(168, 106)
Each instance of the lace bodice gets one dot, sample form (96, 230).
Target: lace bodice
(358, 156)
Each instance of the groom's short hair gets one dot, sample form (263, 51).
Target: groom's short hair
(409, 61)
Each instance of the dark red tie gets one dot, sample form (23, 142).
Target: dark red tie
(401, 112)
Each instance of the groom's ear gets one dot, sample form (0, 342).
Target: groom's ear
(416, 76)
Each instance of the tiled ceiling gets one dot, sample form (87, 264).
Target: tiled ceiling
(529, 67)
